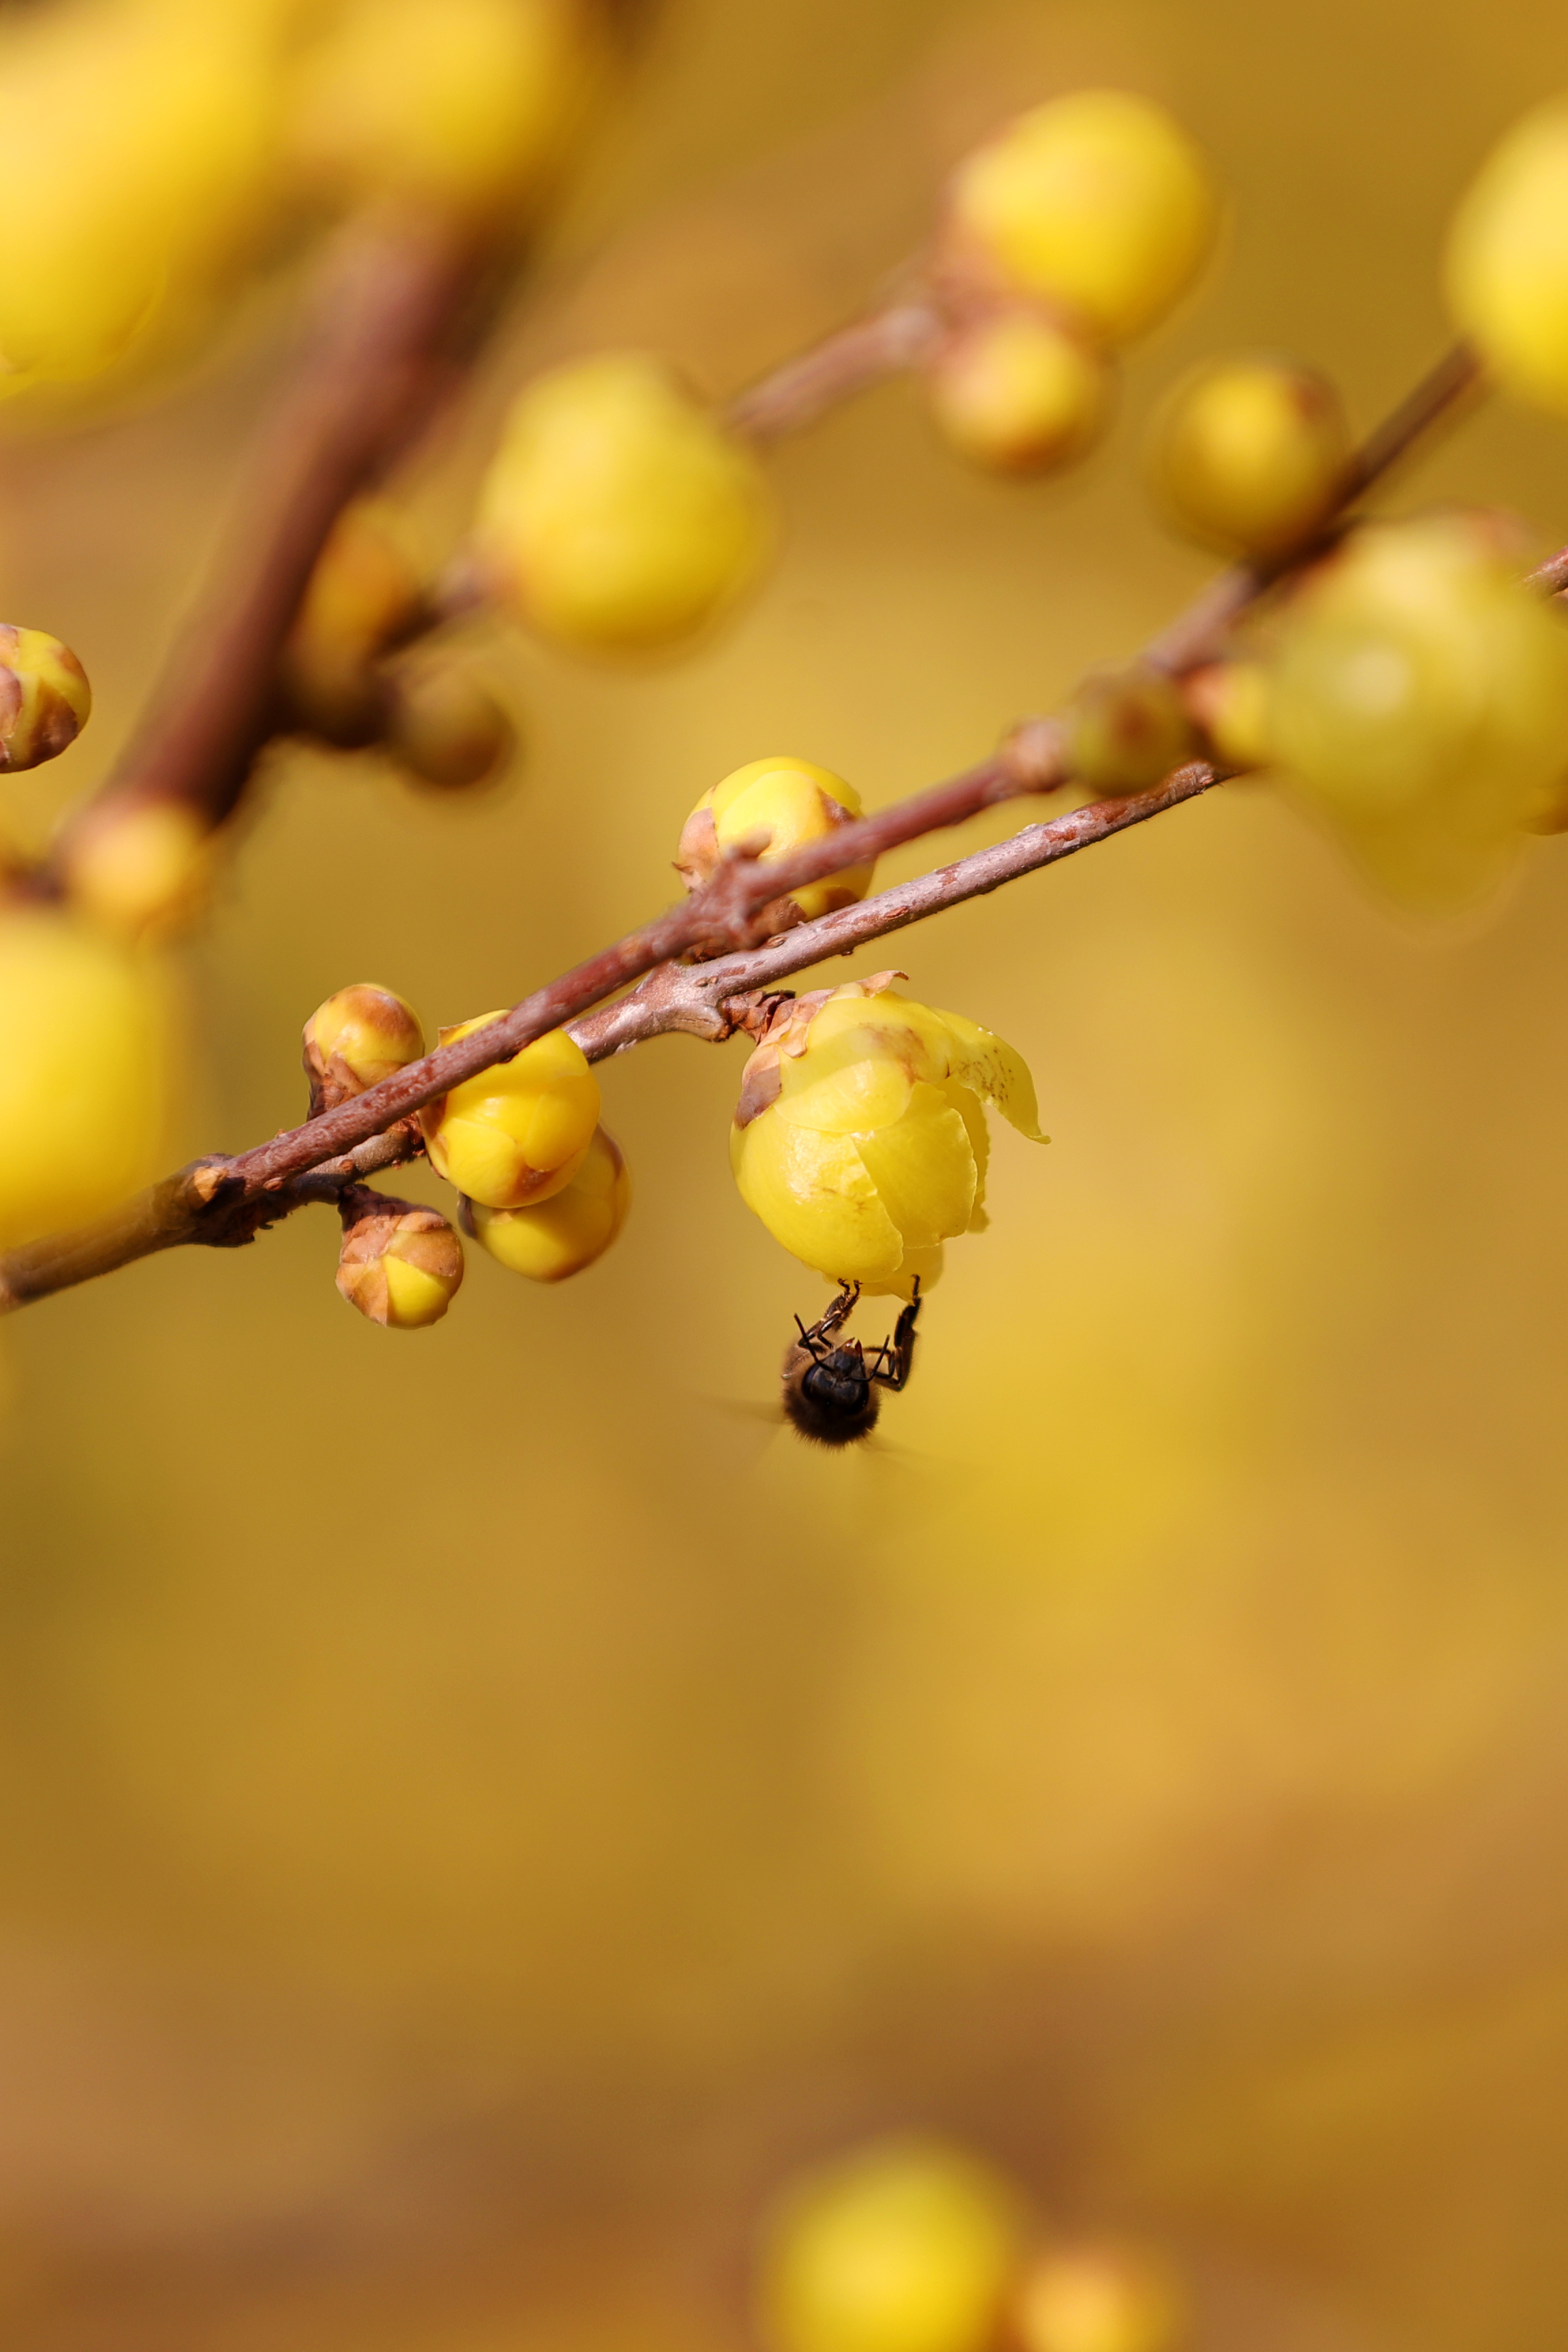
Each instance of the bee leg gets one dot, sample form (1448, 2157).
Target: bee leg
(899, 1350)
(837, 1314)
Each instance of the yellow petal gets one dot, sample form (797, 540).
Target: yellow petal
(981, 1059)
(814, 1194)
(966, 1103)
(921, 1265)
(923, 1169)
(845, 1089)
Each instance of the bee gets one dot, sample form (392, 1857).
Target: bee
(830, 1388)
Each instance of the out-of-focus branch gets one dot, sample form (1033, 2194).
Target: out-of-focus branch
(844, 363)
(395, 313)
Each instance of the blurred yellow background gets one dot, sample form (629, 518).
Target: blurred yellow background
(475, 1811)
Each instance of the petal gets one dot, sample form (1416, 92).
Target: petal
(812, 1193)
(923, 1169)
(924, 1265)
(967, 1103)
(839, 1093)
(981, 1059)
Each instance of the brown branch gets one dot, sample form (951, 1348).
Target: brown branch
(844, 363)
(214, 1200)
(707, 1000)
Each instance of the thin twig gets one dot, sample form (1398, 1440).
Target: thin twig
(849, 361)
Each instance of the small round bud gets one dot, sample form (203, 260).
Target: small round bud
(618, 514)
(400, 1264)
(141, 868)
(364, 596)
(1419, 699)
(1098, 201)
(1126, 729)
(520, 1130)
(45, 698)
(1249, 456)
(906, 2247)
(1097, 2299)
(559, 1236)
(444, 724)
(356, 1038)
(83, 1072)
(861, 1138)
(1229, 701)
(1508, 258)
(1015, 391)
(466, 105)
(788, 802)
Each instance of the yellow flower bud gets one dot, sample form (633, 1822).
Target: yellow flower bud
(617, 513)
(1098, 201)
(364, 595)
(354, 1040)
(1419, 699)
(400, 1264)
(559, 1236)
(462, 104)
(1249, 456)
(1097, 2299)
(1229, 700)
(1126, 729)
(45, 698)
(1015, 391)
(138, 868)
(860, 1136)
(444, 724)
(1508, 258)
(906, 2247)
(519, 1132)
(789, 802)
(83, 1074)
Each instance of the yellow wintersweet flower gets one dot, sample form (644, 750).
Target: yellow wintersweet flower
(520, 1130)
(860, 1136)
(559, 1236)
(789, 802)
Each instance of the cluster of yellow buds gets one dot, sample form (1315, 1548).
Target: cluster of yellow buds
(860, 1138)
(348, 682)
(1067, 234)
(541, 1185)
(913, 2245)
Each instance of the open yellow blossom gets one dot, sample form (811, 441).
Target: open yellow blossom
(789, 802)
(521, 1130)
(860, 1136)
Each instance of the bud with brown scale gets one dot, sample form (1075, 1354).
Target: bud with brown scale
(357, 1037)
(443, 723)
(45, 698)
(401, 1264)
